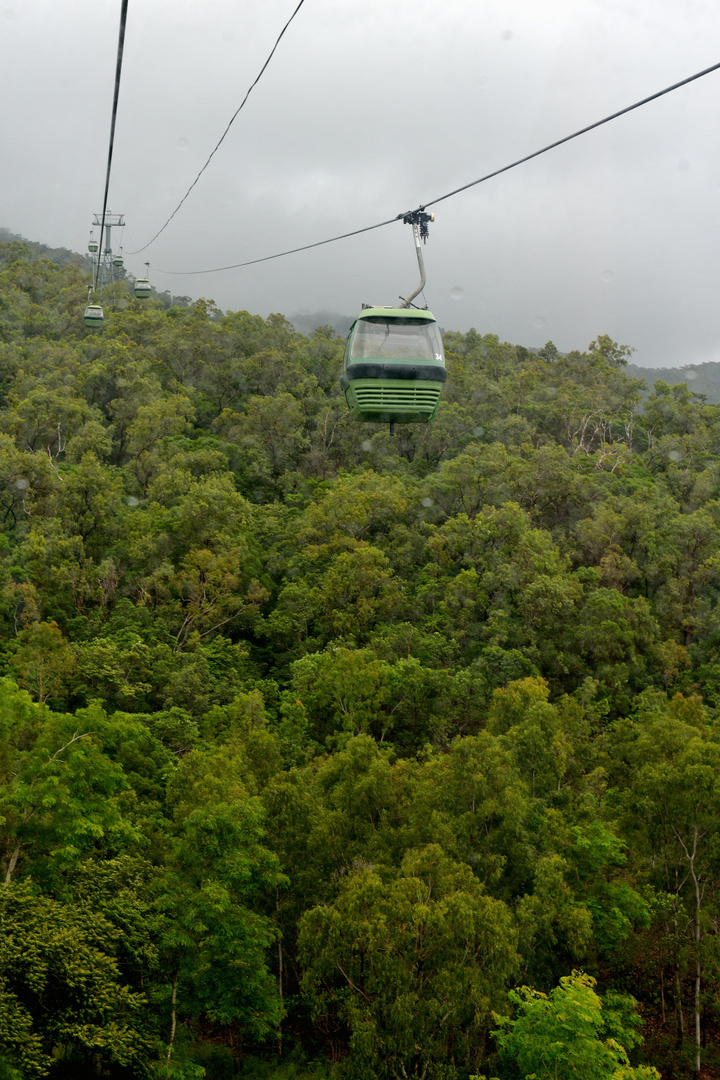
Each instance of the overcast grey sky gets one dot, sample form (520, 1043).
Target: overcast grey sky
(369, 108)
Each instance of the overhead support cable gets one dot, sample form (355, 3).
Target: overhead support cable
(456, 191)
(280, 254)
(116, 95)
(222, 137)
(575, 134)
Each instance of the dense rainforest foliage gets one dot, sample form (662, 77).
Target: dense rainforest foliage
(326, 753)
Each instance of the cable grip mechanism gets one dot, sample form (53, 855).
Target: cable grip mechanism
(420, 220)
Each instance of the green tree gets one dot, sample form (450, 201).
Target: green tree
(61, 796)
(42, 660)
(412, 963)
(62, 996)
(670, 804)
(569, 1033)
(216, 878)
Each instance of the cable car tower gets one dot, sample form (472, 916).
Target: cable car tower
(105, 263)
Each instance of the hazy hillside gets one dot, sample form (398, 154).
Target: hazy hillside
(699, 378)
(61, 256)
(309, 321)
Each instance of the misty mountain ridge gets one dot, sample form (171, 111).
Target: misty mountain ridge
(699, 378)
(62, 256)
(308, 321)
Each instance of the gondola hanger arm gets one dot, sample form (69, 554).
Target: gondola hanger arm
(420, 222)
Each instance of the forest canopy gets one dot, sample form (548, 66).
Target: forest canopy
(331, 753)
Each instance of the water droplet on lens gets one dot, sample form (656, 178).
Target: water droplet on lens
(479, 431)
(427, 501)
(683, 165)
(183, 143)
(457, 292)
(607, 275)
(675, 455)
(132, 500)
(507, 35)
(538, 322)
(21, 484)
(551, 391)
(690, 375)
(366, 445)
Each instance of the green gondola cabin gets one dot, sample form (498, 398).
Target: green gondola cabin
(93, 317)
(393, 367)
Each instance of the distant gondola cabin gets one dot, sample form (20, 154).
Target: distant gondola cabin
(93, 317)
(142, 288)
(393, 366)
